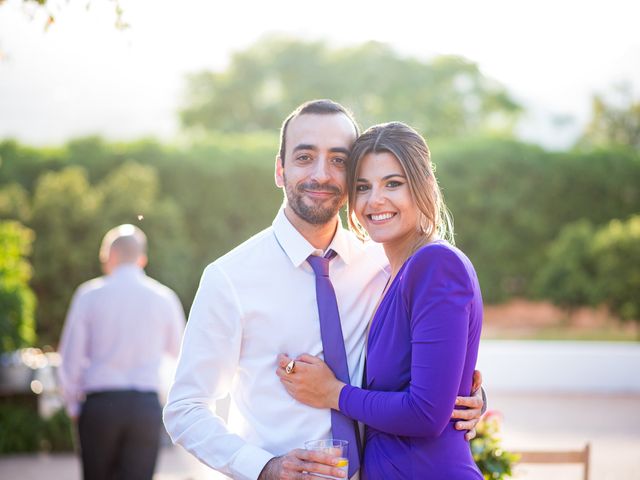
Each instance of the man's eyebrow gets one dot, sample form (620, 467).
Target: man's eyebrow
(340, 150)
(308, 146)
(305, 146)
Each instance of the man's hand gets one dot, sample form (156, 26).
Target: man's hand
(301, 464)
(470, 416)
(311, 382)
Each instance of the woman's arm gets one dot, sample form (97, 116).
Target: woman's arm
(437, 293)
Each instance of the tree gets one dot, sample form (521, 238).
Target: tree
(616, 250)
(615, 121)
(568, 273)
(446, 96)
(66, 216)
(17, 302)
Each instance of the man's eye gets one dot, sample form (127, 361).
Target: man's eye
(303, 158)
(340, 160)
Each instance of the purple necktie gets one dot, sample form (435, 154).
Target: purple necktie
(335, 357)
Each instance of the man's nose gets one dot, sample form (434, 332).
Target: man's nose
(320, 171)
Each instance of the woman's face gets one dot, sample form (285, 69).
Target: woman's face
(384, 205)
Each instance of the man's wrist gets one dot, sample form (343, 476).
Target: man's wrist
(270, 467)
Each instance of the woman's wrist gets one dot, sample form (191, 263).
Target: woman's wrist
(333, 399)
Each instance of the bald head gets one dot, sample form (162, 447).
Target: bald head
(123, 244)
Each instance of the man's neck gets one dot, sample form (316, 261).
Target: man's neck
(319, 236)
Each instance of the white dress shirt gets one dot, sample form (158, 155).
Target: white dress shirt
(253, 303)
(115, 335)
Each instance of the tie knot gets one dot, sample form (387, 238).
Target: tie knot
(320, 265)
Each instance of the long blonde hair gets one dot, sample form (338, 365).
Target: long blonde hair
(412, 152)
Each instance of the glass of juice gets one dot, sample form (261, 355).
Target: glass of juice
(334, 447)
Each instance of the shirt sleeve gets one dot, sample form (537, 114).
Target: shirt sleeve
(206, 367)
(437, 292)
(73, 352)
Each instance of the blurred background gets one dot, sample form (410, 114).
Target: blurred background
(166, 115)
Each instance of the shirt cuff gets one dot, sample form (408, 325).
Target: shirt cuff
(249, 462)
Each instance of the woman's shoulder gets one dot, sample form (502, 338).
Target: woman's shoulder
(438, 254)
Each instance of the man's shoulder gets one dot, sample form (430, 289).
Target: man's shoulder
(259, 245)
(367, 251)
(159, 288)
(90, 286)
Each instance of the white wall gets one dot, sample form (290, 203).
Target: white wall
(558, 366)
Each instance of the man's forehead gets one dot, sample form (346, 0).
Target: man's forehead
(321, 129)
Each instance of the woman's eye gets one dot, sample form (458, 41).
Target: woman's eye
(394, 184)
(362, 188)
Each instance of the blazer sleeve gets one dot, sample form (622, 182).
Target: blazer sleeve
(437, 293)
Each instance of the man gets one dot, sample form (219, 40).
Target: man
(115, 335)
(259, 300)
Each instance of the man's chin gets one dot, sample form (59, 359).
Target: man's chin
(316, 216)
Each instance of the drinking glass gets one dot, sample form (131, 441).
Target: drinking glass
(334, 447)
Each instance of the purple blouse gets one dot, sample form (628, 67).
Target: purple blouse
(422, 351)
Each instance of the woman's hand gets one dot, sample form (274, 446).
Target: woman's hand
(311, 382)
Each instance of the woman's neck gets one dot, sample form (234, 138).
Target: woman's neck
(398, 251)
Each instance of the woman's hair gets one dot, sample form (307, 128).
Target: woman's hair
(411, 150)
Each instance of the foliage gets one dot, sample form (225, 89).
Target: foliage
(568, 273)
(492, 460)
(595, 266)
(510, 201)
(614, 121)
(23, 430)
(73, 215)
(57, 432)
(616, 252)
(446, 96)
(17, 302)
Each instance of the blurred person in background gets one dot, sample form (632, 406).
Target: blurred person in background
(117, 331)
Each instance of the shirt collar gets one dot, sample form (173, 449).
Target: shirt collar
(127, 269)
(298, 248)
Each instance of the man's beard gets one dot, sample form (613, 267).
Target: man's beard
(315, 214)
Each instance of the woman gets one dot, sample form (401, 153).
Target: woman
(423, 339)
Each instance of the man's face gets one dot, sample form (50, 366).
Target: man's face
(314, 174)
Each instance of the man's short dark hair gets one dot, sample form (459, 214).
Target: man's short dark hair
(318, 107)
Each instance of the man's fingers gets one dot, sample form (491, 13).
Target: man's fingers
(305, 357)
(315, 462)
(471, 402)
(283, 360)
(470, 435)
(477, 381)
(466, 424)
(470, 414)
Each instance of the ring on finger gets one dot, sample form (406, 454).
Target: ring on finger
(290, 366)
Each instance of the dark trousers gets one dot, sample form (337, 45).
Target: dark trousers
(119, 435)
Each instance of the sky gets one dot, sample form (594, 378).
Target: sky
(82, 76)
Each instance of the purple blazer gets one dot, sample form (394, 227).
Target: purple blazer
(422, 352)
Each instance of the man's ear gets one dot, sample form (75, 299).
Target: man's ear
(279, 173)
